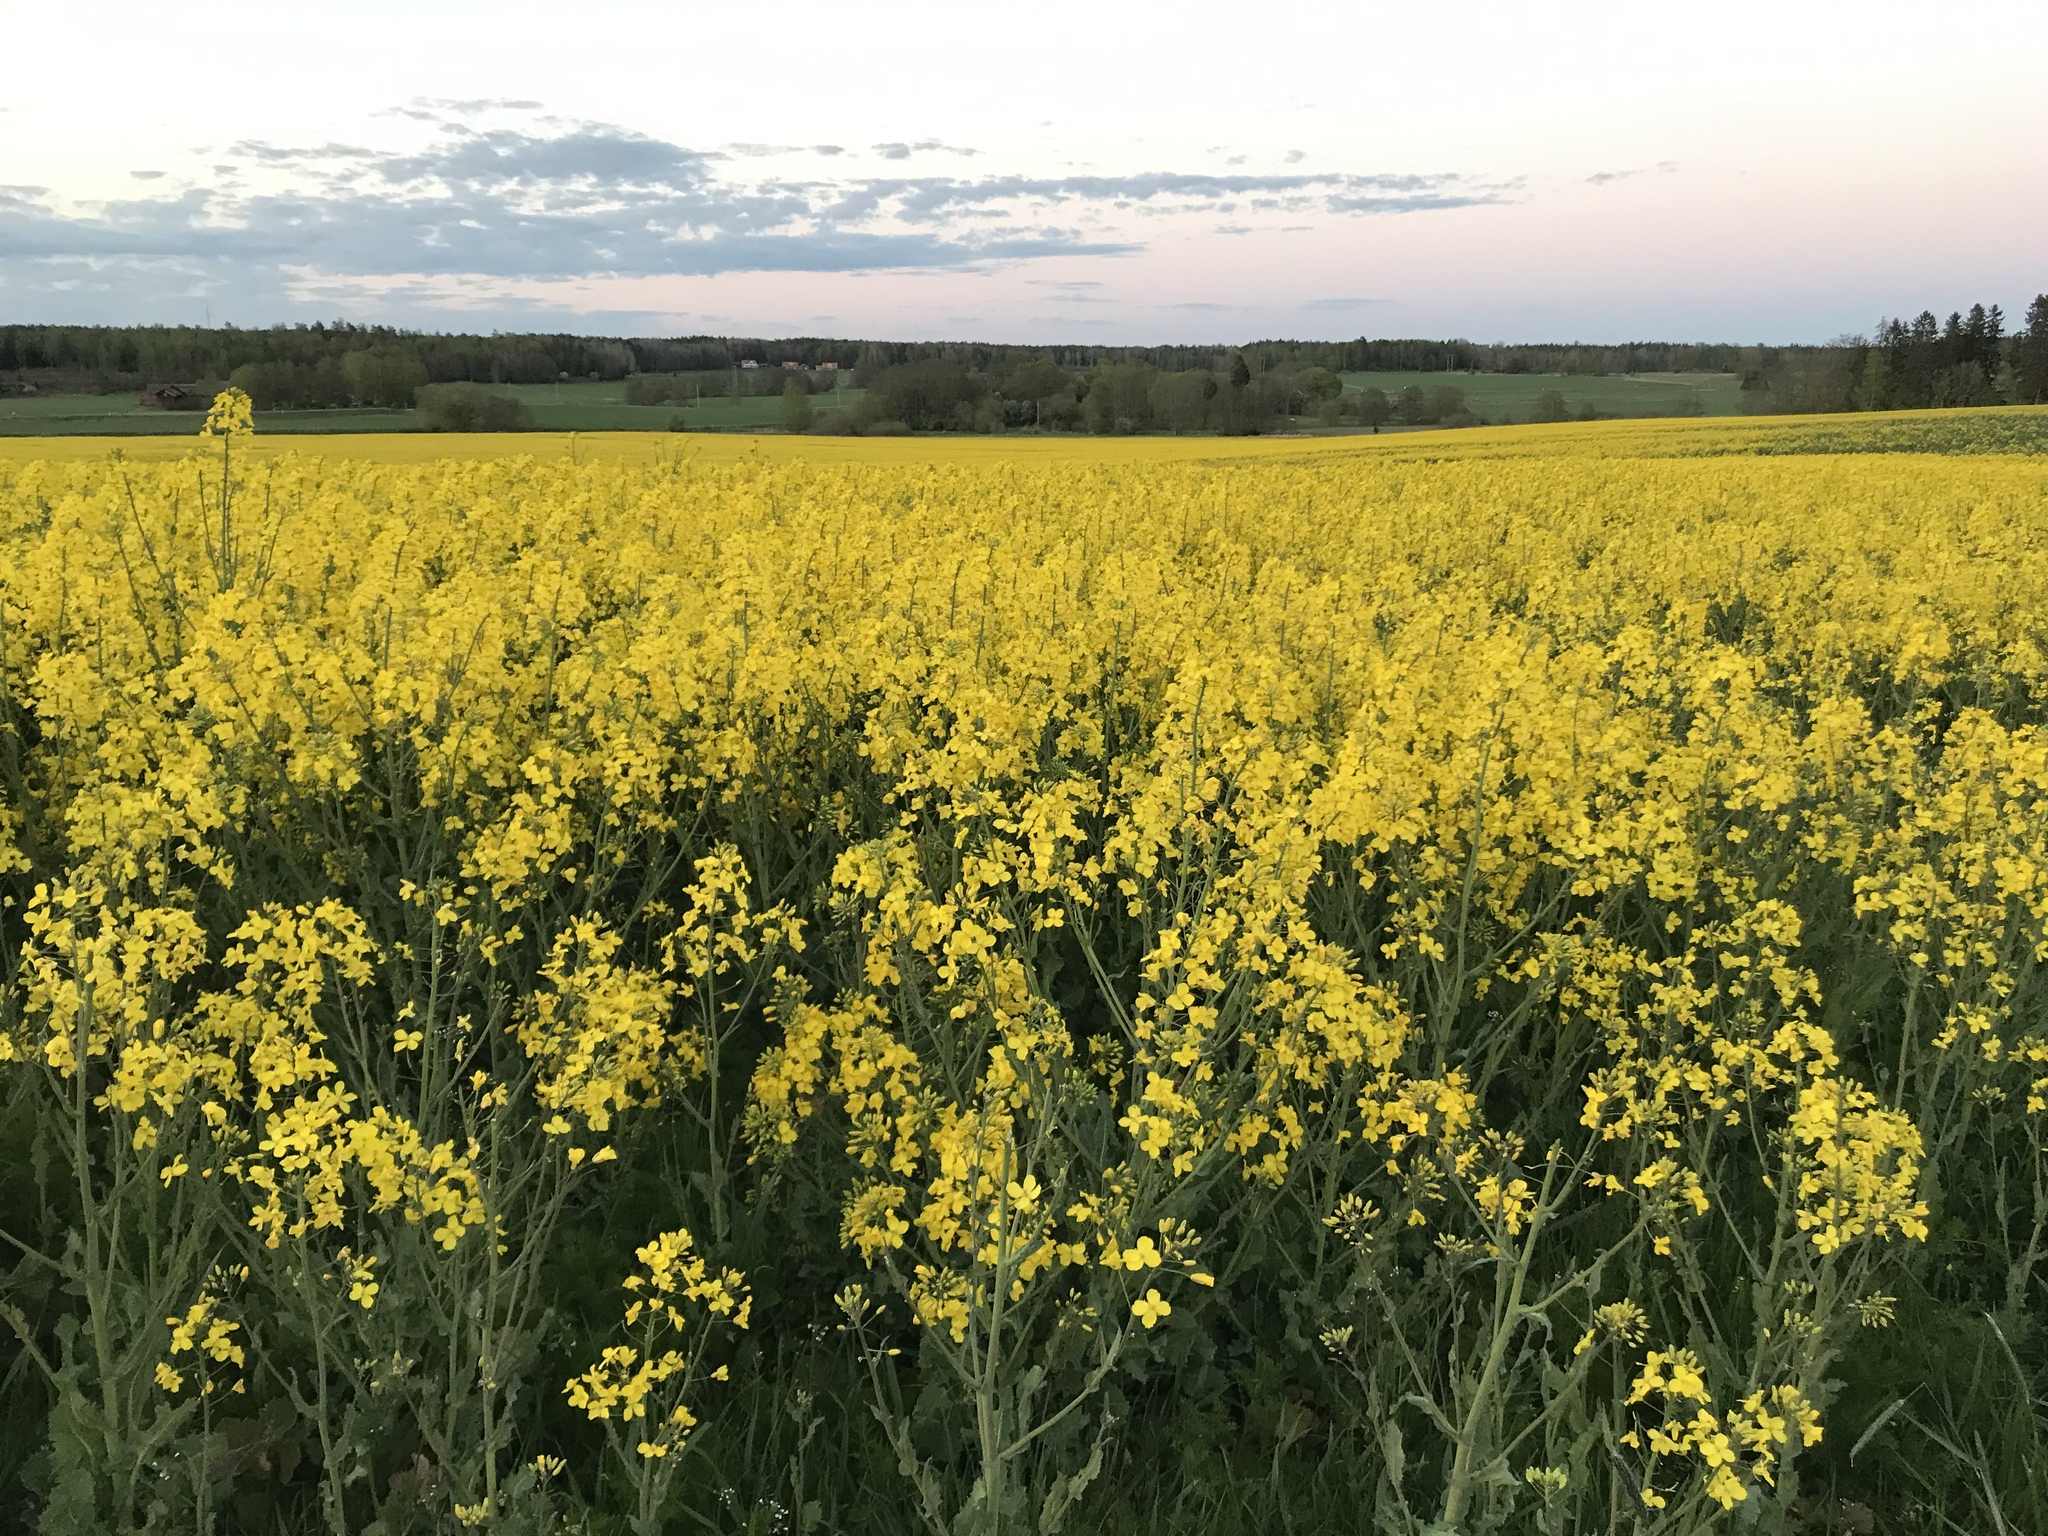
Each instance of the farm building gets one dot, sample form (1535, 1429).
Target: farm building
(178, 397)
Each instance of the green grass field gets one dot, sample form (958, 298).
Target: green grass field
(592, 406)
(601, 407)
(582, 406)
(1512, 396)
(119, 415)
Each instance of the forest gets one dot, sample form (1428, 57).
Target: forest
(1971, 359)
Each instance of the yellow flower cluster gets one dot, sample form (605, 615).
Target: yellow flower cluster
(1861, 1166)
(676, 1296)
(1046, 862)
(232, 414)
(202, 1332)
(1736, 1450)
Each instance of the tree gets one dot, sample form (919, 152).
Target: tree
(1037, 382)
(1444, 402)
(269, 386)
(1551, 406)
(1120, 397)
(470, 408)
(795, 415)
(1180, 401)
(384, 376)
(930, 395)
(1320, 384)
(1874, 384)
(2030, 356)
(1240, 372)
(1374, 409)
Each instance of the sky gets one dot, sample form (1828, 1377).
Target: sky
(1086, 172)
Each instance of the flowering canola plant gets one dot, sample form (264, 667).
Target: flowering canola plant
(1496, 901)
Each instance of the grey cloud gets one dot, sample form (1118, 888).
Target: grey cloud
(1296, 156)
(470, 106)
(1602, 178)
(594, 200)
(827, 149)
(1338, 304)
(1411, 203)
(272, 154)
(147, 175)
(589, 158)
(933, 197)
(901, 151)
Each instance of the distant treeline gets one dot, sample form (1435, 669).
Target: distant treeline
(132, 356)
(122, 357)
(1972, 359)
(935, 394)
(1910, 365)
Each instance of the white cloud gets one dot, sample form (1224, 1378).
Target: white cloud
(510, 203)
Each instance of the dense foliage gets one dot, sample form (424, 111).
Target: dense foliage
(1970, 360)
(470, 408)
(1967, 360)
(308, 357)
(1345, 991)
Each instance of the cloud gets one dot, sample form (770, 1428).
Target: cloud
(544, 203)
(471, 106)
(933, 197)
(901, 151)
(1296, 156)
(147, 175)
(1339, 304)
(1602, 178)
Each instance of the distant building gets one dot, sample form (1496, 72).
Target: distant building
(792, 365)
(178, 397)
(748, 362)
(828, 367)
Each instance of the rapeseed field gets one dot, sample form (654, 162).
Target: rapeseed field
(1443, 983)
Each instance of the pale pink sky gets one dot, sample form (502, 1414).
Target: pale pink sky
(1103, 171)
